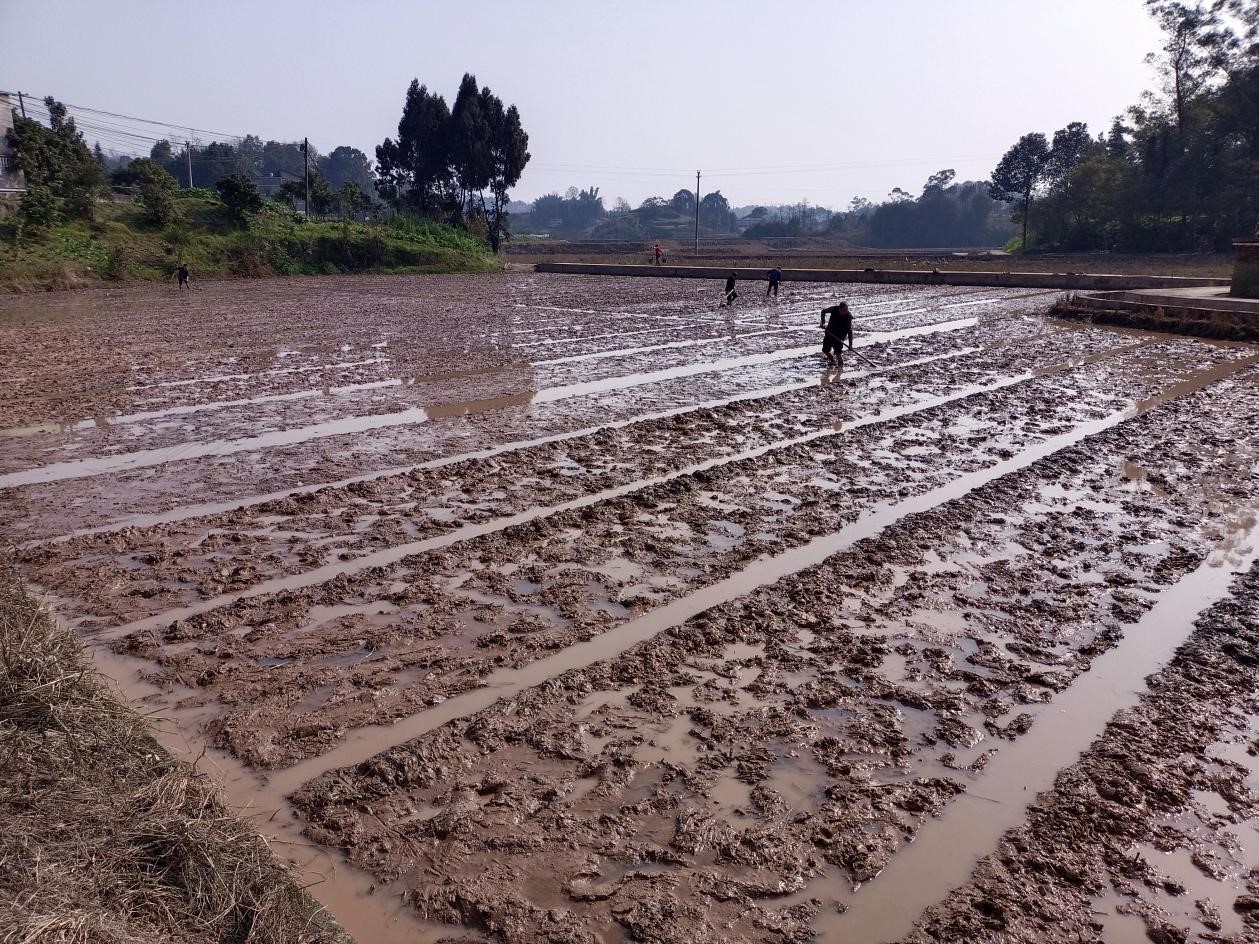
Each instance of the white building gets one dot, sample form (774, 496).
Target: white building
(12, 181)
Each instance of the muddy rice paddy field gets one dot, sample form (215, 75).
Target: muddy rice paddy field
(534, 608)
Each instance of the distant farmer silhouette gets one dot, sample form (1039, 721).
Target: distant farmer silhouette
(181, 273)
(775, 276)
(837, 328)
(731, 294)
(658, 253)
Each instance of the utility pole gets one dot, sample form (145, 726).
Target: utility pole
(21, 103)
(697, 213)
(188, 154)
(306, 158)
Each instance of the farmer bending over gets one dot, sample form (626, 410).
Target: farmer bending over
(837, 328)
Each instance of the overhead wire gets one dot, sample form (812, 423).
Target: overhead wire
(96, 122)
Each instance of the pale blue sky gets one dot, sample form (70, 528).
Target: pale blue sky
(775, 101)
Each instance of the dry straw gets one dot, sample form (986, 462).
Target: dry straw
(104, 838)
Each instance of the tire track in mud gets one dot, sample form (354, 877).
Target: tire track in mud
(399, 552)
(399, 766)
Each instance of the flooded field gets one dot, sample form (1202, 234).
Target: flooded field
(535, 608)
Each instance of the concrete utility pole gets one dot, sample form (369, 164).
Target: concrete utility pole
(697, 213)
(188, 154)
(21, 103)
(306, 158)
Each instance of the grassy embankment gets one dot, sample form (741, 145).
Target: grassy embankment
(119, 245)
(106, 838)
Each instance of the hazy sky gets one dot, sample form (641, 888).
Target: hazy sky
(776, 102)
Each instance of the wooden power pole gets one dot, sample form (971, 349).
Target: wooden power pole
(697, 213)
(21, 103)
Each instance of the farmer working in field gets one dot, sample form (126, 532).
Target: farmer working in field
(837, 328)
(181, 273)
(775, 276)
(731, 294)
(659, 254)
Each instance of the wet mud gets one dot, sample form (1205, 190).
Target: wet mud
(810, 727)
(1153, 835)
(572, 609)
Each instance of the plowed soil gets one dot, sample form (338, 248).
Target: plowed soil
(533, 608)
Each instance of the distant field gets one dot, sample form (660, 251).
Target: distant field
(1200, 264)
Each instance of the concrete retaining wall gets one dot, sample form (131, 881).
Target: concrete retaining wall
(1214, 318)
(1049, 280)
(1246, 268)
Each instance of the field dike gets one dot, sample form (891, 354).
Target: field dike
(107, 838)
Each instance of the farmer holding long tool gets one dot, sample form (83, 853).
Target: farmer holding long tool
(731, 294)
(837, 328)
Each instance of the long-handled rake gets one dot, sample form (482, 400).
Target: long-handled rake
(853, 350)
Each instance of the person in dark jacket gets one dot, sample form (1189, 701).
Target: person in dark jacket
(731, 294)
(838, 328)
(775, 276)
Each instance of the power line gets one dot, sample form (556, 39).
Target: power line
(86, 118)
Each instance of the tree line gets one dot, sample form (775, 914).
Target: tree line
(445, 160)
(454, 165)
(947, 213)
(1179, 171)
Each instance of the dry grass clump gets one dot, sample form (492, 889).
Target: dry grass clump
(106, 839)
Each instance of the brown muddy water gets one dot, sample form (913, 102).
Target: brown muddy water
(547, 608)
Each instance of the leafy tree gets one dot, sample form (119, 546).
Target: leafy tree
(508, 155)
(347, 165)
(939, 181)
(1019, 173)
(322, 199)
(38, 207)
(351, 198)
(467, 141)
(1182, 62)
(290, 192)
(240, 197)
(277, 158)
(163, 154)
(572, 214)
(57, 160)
(684, 202)
(154, 186)
(414, 171)
(715, 215)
